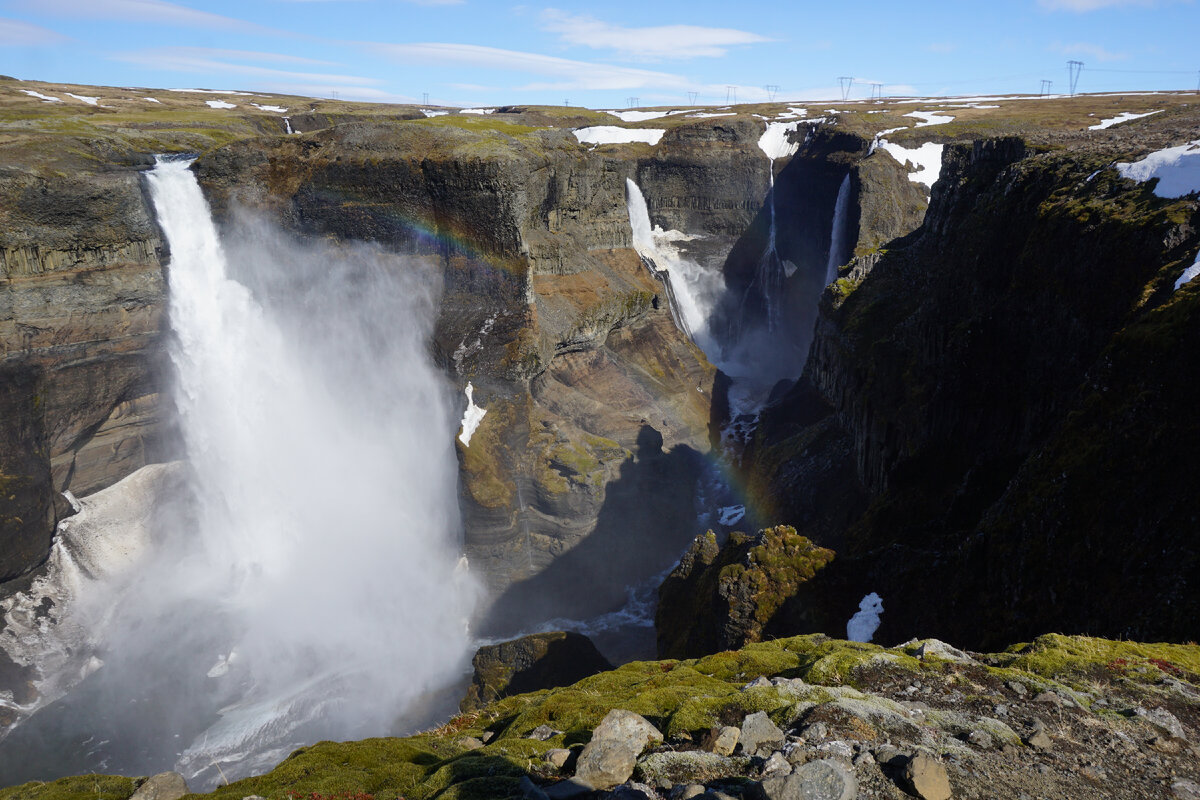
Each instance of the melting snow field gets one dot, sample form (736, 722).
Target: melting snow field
(429, 112)
(637, 116)
(471, 417)
(611, 134)
(219, 104)
(774, 141)
(1189, 273)
(862, 626)
(930, 118)
(1123, 117)
(41, 96)
(1177, 170)
(274, 109)
(91, 101)
(152, 100)
(926, 160)
(478, 111)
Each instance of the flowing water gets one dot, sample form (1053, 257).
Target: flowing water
(837, 234)
(316, 590)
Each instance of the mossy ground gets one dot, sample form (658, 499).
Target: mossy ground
(682, 698)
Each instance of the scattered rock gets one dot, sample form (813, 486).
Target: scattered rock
(633, 791)
(686, 791)
(530, 790)
(722, 741)
(163, 786)
(609, 758)
(1048, 697)
(1161, 720)
(557, 757)
(1017, 688)
(564, 790)
(936, 647)
(1185, 789)
(469, 743)
(542, 733)
(759, 731)
(689, 766)
(776, 765)
(487, 736)
(927, 777)
(816, 780)
(756, 683)
(1039, 740)
(980, 738)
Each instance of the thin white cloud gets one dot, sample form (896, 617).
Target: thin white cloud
(22, 33)
(198, 61)
(569, 74)
(152, 11)
(648, 44)
(1087, 50)
(245, 55)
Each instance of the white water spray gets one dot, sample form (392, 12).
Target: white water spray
(837, 235)
(314, 593)
(693, 290)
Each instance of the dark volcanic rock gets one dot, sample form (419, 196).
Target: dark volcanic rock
(720, 598)
(996, 399)
(537, 661)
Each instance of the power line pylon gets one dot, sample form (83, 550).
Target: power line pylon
(1045, 87)
(771, 89)
(1073, 70)
(692, 98)
(846, 83)
(730, 95)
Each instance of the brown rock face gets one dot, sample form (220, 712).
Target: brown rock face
(81, 301)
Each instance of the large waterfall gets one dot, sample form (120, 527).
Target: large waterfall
(316, 590)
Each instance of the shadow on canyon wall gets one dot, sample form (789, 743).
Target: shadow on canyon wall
(647, 520)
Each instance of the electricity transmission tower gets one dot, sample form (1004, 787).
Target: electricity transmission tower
(1073, 70)
(876, 91)
(1045, 87)
(730, 95)
(632, 102)
(692, 98)
(846, 83)
(424, 98)
(771, 89)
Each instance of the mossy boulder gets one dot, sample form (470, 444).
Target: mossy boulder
(537, 661)
(723, 597)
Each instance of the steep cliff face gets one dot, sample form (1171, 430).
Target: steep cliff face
(597, 406)
(81, 298)
(970, 398)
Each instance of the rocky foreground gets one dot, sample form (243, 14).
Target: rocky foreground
(804, 717)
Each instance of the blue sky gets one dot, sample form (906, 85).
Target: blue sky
(473, 52)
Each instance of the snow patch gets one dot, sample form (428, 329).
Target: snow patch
(1189, 273)
(429, 112)
(91, 101)
(611, 134)
(1124, 116)
(41, 96)
(638, 116)
(862, 626)
(925, 160)
(708, 116)
(273, 109)
(1177, 170)
(208, 91)
(477, 111)
(471, 417)
(219, 104)
(930, 118)
(774, 141)
(152, 100)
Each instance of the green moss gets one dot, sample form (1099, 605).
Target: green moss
(77, 787)
(1077, 661)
